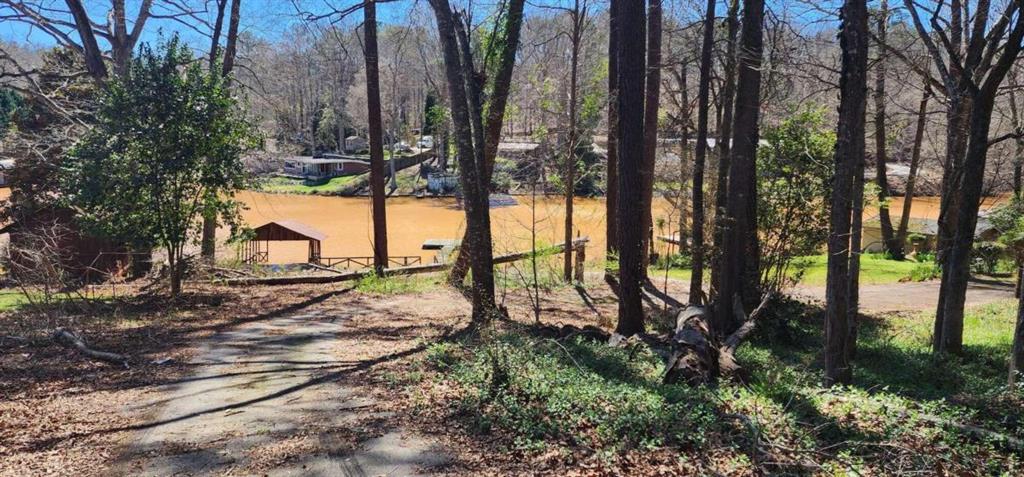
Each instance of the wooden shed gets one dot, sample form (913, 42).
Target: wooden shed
(257, 250)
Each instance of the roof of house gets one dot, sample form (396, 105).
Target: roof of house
(287, 230)
(927, 226)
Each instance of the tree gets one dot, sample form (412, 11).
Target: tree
(501, 61)
(167, 146)
(739, 261)
(631, 126)
(71, 26)
(612, 176)
(973, 54)
(476, 147)
(376, 132)
(651, 102)
(580, 22)
(853, 40)
(915, 162)
(209, 240)
(700, 153)
(727, 96)
(889, 239)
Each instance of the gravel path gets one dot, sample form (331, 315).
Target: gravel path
(914, 296)
(905, 296)
(269, 398)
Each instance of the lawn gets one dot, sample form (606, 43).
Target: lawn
(298, 186)
(906, 413)
(874, 270)
(11, 299)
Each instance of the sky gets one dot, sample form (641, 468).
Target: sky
(267, 19)
(270, 19)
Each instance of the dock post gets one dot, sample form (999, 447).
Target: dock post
(581, 256)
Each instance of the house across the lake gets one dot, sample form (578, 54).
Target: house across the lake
(921, 231)
(337, 165)
(323, 167)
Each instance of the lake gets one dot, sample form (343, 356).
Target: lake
(347, 223)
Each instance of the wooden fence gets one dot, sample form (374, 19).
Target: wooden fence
(578, 245)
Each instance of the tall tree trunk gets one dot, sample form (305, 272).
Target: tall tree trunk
(473, 144)
(1018, 164)
(915, 161)
(684, 151)
(570, 153)
(499, 92)
(209, 237)
(631, 62)
(231, 46)
(856, 232)
(700, 153)
(1017, 351)
(949, 323)
(612, 187)
(651, 103)
(739, 263)
(892, 246)
(958, 263)
(218, 26)
(958, 107)
(90, 48)
(728, 94)
(380, 227)
(853, 39)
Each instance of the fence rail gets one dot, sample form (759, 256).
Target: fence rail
(578, 245)
(367, 262)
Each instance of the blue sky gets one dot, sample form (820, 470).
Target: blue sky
(269, 19)
(262, 18)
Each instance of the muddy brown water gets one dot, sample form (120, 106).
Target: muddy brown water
(347, 222)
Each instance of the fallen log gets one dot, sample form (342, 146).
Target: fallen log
(232, 271)
(566, 332)
(69, 339)
(693, 358)
(697, 357)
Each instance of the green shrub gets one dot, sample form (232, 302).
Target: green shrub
(985, 257)
(676, 260)
(925, 257)
(925, 271)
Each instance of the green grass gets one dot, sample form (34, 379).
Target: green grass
(399, 284)
(12, 299)
(299, 186)
(874, 270)
(579, 397)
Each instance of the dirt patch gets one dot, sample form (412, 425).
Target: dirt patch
(62, 414)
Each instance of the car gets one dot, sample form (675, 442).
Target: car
(426, 142)
(402, 146)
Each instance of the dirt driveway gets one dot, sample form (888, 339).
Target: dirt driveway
(914, 296)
